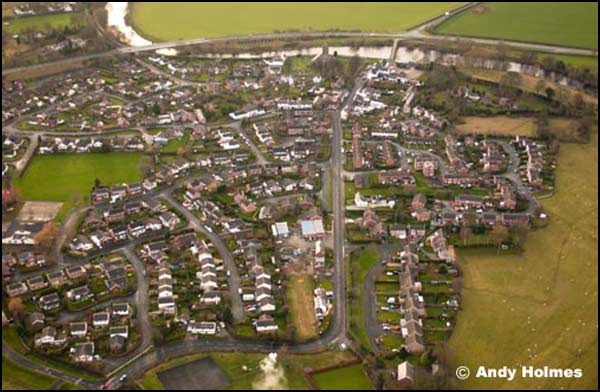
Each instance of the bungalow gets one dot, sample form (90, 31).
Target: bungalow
(210, 298)
(37, 283)
(419, 201)
(100, 319)
(121, 330)
(266, 324)
(16, 289)
(46, 336)
(76, 272)
(79, 294)
(169, 219)
(202, 327)
(78, 329)
(120, 309)
(83, 352)
(49, 302)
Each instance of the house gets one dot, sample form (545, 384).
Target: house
(121, 330)
(79, 294)
(16, 289)
(83, 352)
(266, 324)
(202, 327)
(76, 272)
(35, 320)
(49, 302)
(101, 319)
(78, 329)
(169, 219)
(46, 337)
(121, 309)
(406, 375)
(419, 201)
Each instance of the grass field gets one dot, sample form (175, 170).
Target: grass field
(41, 23)
(231, 363)
(577, 61)
(351, 378)
(64, 176)
(16, 377)
(173, 21)
(300, 299)
(539, 308)
(564, 128)
(361, 263)
(566, 23)
(498, 125)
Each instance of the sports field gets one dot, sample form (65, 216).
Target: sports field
(539, 308)
(62, 177)
(177, 20)
(566, 23)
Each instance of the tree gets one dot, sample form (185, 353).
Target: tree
(156, 109)
(465, 234)
(508, 82)
(46, 236)
(499, 235)
(354, 66)
(16, 307)
(550, 93)
(540, 86)
(227, 315)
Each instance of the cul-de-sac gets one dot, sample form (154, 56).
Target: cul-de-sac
(305, 196)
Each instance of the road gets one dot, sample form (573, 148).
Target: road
(237, 308)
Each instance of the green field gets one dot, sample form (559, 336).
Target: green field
(351, 378)
(41, 23)
(17, 377)
(569, 24)
(361, 262)
(173, 21)
(63, 177)
(543, 303)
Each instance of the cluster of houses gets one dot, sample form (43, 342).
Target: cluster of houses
(108, 224)
(412, 303)
(90, 144)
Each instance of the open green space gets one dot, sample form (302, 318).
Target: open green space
(346, 378)
(17, 377)
(173, 21)
(361, 262)
(539, 308)
(60, 177)
(561, 23)
(41, 23)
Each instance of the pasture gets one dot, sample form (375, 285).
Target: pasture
(567, 23)
(539, 308)
(174, 21)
